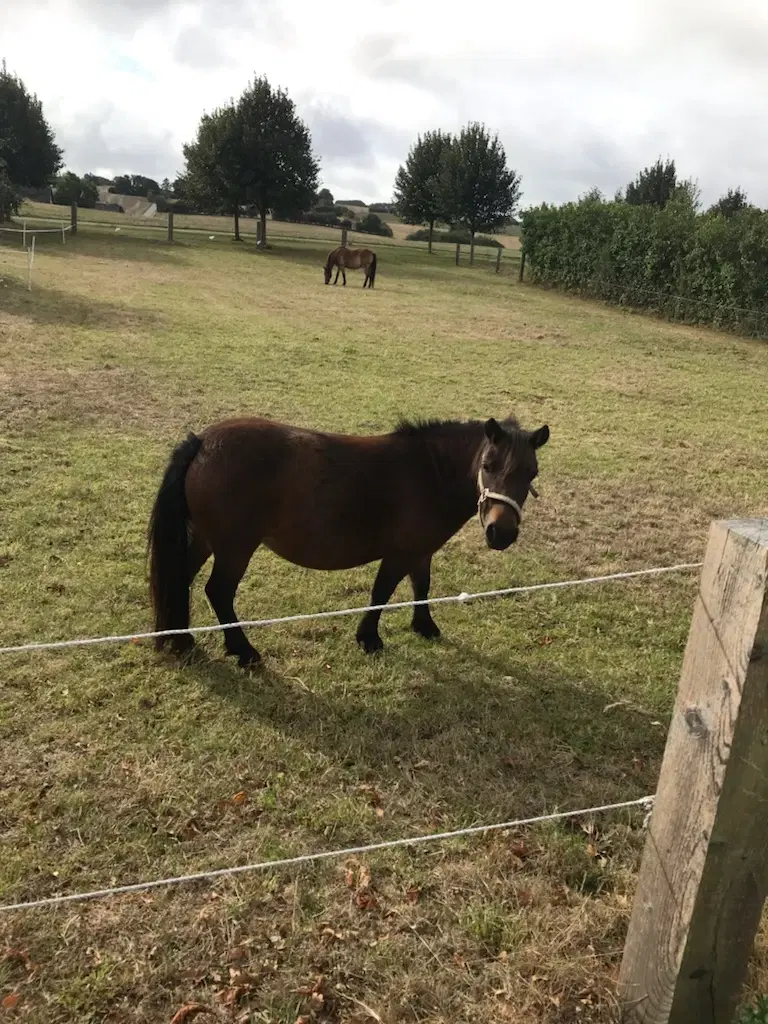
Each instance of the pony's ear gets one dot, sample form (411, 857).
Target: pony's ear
(493, 431)
(539, 437)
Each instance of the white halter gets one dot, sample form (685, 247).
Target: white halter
(485, 495)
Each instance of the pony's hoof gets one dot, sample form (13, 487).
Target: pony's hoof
(371, 643)
(182, 643)
(427, 630)
(249, 659)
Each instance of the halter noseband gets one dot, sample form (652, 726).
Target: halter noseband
(488, 495)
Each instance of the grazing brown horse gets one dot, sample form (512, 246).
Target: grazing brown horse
(352, 259)
(330, 501)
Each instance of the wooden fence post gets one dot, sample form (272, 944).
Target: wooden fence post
(704, 872)
(344, 235)
(170, 225)
(258, 232)
(498, 259)
(458, 252)
(522, 264)
(73, 218)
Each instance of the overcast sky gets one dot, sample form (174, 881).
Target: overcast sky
(582, 94)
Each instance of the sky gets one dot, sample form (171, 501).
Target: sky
(581, 94)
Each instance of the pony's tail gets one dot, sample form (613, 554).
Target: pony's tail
(167, 543)
(372, 278)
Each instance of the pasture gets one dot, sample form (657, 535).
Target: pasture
(118, 765)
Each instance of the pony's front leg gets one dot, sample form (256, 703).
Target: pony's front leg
(344, 277)
(422, 622)
(389, 575)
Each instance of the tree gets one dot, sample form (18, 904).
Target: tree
(419, 193)
(28, 152)
(215, 166)
(135, 185)
(654, 186)
(479, 190)
(733, 202)
(256, 151)
(324, 198)
(372, 224)
(72, 189)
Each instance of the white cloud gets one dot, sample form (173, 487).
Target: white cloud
(581, 94)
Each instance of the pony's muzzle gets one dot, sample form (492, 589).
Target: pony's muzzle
(499, 537)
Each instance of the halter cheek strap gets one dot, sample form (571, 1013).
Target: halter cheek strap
(486, 495)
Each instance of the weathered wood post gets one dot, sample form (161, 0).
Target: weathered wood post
(522, 264)
(704, 872)
(344, 235)
(73, 218)
(170, 225)
(458, 252)
(498, 259)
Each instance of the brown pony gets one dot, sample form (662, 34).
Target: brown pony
(352, 259)
(330, 501)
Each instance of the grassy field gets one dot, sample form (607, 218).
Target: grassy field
(118, 766)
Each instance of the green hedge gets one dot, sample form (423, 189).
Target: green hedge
(695, 267)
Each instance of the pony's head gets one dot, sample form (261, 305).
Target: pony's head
(507, 468)
(327, 270)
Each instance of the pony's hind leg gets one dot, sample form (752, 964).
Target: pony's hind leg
(221, 589)
(422, 622)
(389, 575)
(198, 554)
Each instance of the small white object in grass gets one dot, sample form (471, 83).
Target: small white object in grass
(463, 596)
(117, 229)
(211, 237)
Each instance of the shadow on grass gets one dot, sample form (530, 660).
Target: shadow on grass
(45, 305)
(481, 738)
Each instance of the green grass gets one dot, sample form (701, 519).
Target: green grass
(119, 766)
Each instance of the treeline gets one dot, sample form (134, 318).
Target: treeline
(652, 247)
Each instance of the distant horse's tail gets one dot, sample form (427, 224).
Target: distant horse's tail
(372, 277)
(167, 542)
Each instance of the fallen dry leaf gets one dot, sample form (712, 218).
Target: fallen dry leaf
(239, 798)
(520, 850)
(349, 878)
(364, 878)
(413, 895)
(232, 995)
(190, 1010)
(366, 900)
(11, 1001)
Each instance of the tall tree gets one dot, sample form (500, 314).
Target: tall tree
(214, 177)
(731, 203)
(480, 191)
(654, 186)
(418, 192)
(28, 152)
(255, 151)
(324, 197)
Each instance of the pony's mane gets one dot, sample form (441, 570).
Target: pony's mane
(431, 427)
